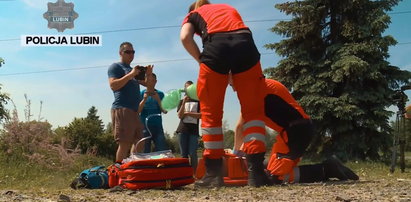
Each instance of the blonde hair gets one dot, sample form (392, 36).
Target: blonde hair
(198, 4)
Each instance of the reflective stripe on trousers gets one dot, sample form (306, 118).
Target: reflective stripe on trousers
(211, 87)
(213, 141)
(254, 136)
(213, 138)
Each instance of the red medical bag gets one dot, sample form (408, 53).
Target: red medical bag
(152, 173)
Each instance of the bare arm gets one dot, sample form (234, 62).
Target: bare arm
(142, 103)
(118, 83)
(238, 138)
(193, 114)
(187, 38)
(181, 110)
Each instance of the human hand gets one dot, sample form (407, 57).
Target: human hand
(146, 95)
(135, 71)
(186, 98)
(239, 153)
(149, 69)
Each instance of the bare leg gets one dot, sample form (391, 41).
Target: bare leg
(123, 151)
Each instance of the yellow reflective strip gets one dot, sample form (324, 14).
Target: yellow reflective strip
(212, 131)
(254, 136)
(254, 123)
(214, 145)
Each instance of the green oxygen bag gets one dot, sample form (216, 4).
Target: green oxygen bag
(191, 91)
(173, 97)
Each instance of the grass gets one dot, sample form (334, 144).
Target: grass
(20, 175)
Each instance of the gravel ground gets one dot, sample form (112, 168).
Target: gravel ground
(390, 189)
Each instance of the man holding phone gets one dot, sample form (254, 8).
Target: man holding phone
(127, 127)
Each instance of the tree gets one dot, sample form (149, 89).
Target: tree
(228, 136)
(3, 101)
(1, 61)
(173, 142)
(92, 115)
(106, 146)
(335, 63)
(85, 133)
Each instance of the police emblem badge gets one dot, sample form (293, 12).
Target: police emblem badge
(60, 15)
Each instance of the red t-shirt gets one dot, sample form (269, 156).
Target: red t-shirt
(215, 18)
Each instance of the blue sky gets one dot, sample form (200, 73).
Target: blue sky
(69, 94)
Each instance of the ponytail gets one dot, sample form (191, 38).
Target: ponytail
(197, 4)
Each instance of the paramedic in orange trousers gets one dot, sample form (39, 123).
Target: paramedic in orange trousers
(295, 130)
(228, 46)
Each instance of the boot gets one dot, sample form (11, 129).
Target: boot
(256, 174)
(214, 174)
(333, 168)
(330, 168)
(311, 173)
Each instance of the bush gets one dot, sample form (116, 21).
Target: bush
(32, 142)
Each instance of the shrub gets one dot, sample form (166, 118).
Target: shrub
(32, 141)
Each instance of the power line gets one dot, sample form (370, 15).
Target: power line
(146, 28)
(99, 66)
(105, 66)
(404, 43)
(400, 12)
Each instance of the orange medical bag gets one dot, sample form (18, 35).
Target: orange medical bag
(234, 170)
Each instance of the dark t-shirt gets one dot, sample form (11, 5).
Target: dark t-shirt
(129, 95)
(188, 124)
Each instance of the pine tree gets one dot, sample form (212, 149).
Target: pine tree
(92, 115)
(335, 63)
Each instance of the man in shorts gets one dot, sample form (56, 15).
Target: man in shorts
(127, 127)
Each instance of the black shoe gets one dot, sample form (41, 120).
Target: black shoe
(256, 174)
(333, 168)
(210, 181)
(214, 174)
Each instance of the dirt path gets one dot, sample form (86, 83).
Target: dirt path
(363, 190)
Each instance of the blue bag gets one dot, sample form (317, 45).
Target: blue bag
(93, 178)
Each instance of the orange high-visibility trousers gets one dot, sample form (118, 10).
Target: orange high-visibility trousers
(284, 115)
(211, 87)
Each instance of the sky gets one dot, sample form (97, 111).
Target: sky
(70, 80)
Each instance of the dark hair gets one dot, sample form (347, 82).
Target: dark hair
(155, 76)
(124, 44)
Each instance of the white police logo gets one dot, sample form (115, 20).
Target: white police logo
(60, 15)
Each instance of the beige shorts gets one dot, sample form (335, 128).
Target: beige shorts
(127, 126)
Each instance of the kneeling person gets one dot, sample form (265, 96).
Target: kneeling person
(295, 131)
